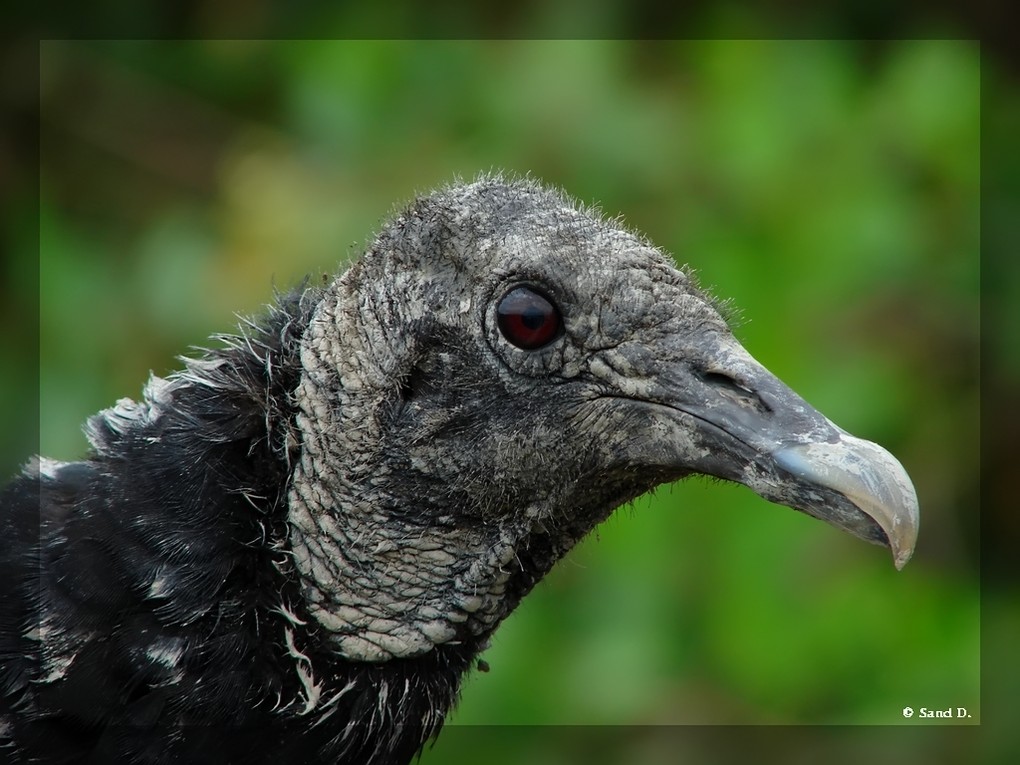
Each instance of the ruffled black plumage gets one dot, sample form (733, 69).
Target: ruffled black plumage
(197, 582)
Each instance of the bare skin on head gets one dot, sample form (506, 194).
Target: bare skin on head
(492, 449)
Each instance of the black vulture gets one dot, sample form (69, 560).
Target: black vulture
(294, 548)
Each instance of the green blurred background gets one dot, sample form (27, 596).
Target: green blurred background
(830, 189)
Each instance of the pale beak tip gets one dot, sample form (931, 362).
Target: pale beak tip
(867, 475)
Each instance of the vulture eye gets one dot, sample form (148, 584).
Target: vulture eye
(528, 319)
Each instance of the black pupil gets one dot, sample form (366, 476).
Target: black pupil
(533, 318)
(527, 318)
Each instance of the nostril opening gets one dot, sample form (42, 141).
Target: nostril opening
(726, 382)
(717, 378)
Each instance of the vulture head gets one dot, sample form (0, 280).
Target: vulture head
(499, 373)
(307, 535)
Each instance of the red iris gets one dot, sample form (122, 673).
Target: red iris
(527, 318)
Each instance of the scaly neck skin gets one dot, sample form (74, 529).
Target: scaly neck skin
(388, 590)
(387, 576)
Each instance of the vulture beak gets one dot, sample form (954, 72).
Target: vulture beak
(751, 428)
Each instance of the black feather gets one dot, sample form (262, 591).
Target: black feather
(205, 487)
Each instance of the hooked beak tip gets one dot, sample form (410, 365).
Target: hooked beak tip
(867, 475)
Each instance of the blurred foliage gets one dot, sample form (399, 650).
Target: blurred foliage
(830, 189)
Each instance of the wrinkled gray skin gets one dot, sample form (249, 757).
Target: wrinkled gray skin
(441, 471)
